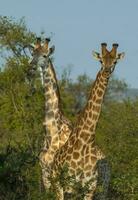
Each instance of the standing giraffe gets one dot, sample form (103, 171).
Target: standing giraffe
(80, 153)
(57, 127)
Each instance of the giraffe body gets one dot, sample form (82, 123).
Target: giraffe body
(57, 127)
(80, 152)
(83, 158)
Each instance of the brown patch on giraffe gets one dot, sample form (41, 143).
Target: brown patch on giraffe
(70, 150)
(96, 87)
(76, 155)
(97, 108)
(79, 169)
(93, 146)
(78, 129)
(97, 81)
(93, 150)
(73, 164)
(47, 81)
(54, 147)
(85, 127)
(78, 144)
(80, 164)
(92, 138)
(68, 157)
(88, 174)
(94, 108)
(85, 115)
(89, 122)
(81, 121)
(93, 159)
(48, 96)
(92, 129)
(47, 89)
(98, 101)
(101, 86)
(99, 93)
(94, 117)
(85, 136)
(102, 79)
(87, 159)
(94, 98)
(105, 84)
(88, 167)
(90, 114)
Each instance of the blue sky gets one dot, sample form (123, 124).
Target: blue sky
(79, 26)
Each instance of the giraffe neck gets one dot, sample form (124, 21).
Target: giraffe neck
(80, 152)
(90, 115)
(56, 125)
(83, 135)
(52, 102)
(52, 96)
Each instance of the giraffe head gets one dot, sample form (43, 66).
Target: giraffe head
(108, 58)
(41, 52)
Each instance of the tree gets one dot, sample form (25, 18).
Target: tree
(117, 135)
(21, 116)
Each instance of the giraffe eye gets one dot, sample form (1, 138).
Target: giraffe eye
(101, 61)
(115, 62)
(44, 56)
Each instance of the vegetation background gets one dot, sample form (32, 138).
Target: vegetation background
(22, 114)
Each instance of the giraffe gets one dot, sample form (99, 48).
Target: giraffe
(80, 153)
(57, 127)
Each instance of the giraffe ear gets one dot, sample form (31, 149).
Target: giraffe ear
(96, 55)
(52, 49)
(32, 45)
(120, 56)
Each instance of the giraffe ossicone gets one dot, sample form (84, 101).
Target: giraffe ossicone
(108, 58)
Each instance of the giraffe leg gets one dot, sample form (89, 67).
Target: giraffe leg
(92, 185)
(59, 192)
(90, 194)
(45, 178)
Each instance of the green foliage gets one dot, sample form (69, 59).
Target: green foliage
(73, 94)
(74, 189)
(21, 117)
(14, 35)
(117, 134)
